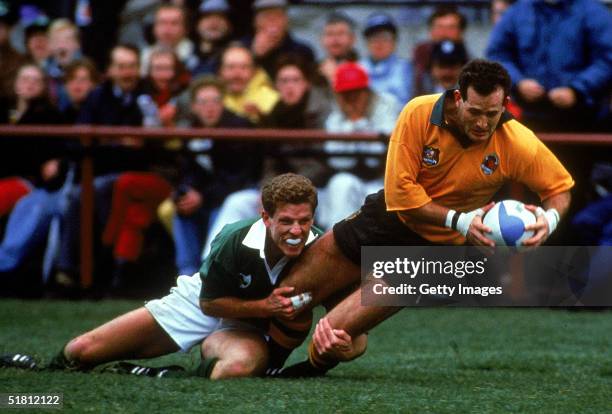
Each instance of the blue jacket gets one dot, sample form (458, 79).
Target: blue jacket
(392, 75)
(566, 44)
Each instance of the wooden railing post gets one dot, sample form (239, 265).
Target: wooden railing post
(87, 212)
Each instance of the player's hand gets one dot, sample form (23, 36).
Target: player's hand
(50, 169)
(476, 232)
(278, 304)
(562, 97)
(540, 228)
(332, 342)
(189, 202)
(531, 90)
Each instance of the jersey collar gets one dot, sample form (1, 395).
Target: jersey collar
(256, 237)
(437, 119)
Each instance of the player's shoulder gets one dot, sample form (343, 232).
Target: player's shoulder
(519, 138)
(232, 235)
(421, 106)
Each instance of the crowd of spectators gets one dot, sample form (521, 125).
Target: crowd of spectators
(237, 64)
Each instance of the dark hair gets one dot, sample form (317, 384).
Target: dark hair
(84, 63)
(288, 189)
(336, 17)
(445, 11)
(128, 46)
(205, 82)
(484, 76)
(293, 59)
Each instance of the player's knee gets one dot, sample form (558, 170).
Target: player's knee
(238, 368)
(81, 349)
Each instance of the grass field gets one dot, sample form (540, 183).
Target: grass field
(420, 361)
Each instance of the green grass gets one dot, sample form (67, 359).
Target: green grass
(420, 361)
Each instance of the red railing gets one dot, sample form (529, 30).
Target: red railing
(87, 135)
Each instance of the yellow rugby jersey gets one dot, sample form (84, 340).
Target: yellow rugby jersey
(427, 162)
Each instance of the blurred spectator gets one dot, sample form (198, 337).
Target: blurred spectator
(498, 8)
(447, 59)
(167, 78)
(170, 31)
(358, 109)
(64, 47)
(214, 32)
(81, 77)
(446, 23)
(114, 101)
(559, 55)
(338, 41)
(272, 37)
(249, 92)
(388, 72)
(41, 172)
(209, 171)
(301, 104)
(11, 59)
(37, 43)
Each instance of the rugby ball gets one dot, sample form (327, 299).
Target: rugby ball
(507, 220)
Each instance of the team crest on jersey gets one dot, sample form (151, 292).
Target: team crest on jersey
(431, 156)
(489, 164)
(245, 280)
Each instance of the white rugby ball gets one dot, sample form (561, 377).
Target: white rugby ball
(507, 220)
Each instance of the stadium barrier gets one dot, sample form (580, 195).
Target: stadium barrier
(88, 136)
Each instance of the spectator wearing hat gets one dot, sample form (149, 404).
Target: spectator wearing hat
(338, 42)
(445, 23)
(388, 72)
(358, 109)
(272, 37)
(214, 32)
(10, 58)
(447, 59)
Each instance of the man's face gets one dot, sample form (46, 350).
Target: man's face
(237, 70)
(337, 39)
(478, 115)
(38, 46)
(381, 45)
(354, 104)
(446, 27)
(161, 69)
(446, 76)
(29, 83)
(213, 27)
(291, 84)
(169, 27)
(79, 86)
(124, 69)
(274, 21)
(208, 105)
(63, 45)
(289, 227)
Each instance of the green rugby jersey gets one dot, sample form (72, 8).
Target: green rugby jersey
(236, 265)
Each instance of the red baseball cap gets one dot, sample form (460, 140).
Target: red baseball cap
(350, 76)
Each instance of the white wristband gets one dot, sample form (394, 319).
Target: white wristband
(551, 216)
(449, 219)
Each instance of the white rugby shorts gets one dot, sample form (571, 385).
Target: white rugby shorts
(180, 315)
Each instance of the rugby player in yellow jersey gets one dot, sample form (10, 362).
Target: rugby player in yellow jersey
(448, 156)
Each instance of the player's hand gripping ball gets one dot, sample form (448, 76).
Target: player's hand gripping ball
(507, 220)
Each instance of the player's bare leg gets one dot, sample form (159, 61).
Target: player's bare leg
(238, 353)
(130, 336)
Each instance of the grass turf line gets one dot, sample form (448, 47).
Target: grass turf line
(421, 360)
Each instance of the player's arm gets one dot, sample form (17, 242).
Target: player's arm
(548, 216)
(277, 304)
(468, 224)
